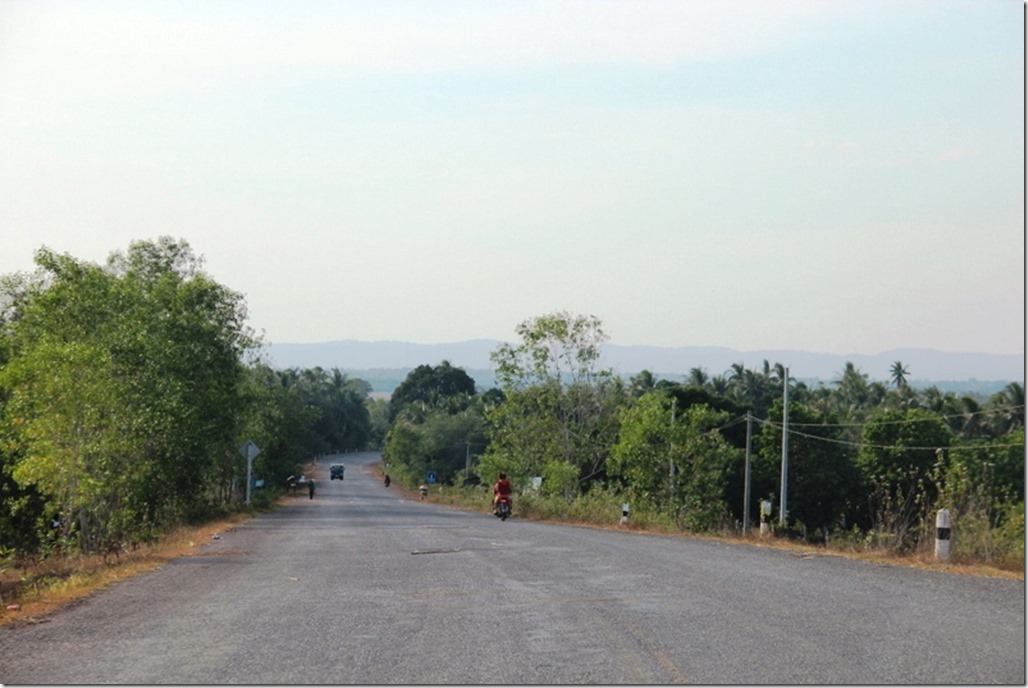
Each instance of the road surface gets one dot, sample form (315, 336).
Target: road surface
(364, 585)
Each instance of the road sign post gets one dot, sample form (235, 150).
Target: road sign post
(249, 452)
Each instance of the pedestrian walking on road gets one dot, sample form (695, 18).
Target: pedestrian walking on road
(310, 487)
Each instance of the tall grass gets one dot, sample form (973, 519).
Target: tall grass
(904, 523)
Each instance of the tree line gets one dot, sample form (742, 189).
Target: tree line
(126, 391)
(869, 461)
(128, 388)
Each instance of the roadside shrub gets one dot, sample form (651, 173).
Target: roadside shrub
(986, 529)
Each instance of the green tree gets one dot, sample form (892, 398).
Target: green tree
(341, 418)
(646, 449)
(558, 418)
(278, 421)
(698, 377)
(437, 420)
(901, 446)
(378, 414)
(755, 390)
(854, 388)
(430, 386)
(188, 361)
(123, 389)
(439, 441)
(677, 462)
(702, 479)
(898, 454)
(559, 348)
(824, 490)
(998, 462)
(1006, 408)
(641, 383)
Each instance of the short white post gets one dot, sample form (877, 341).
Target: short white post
(942, 533)
(624, 514)
(765, 514)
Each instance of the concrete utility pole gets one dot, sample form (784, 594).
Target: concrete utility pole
(782, 512)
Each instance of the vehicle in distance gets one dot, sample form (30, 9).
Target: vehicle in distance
(336, 470)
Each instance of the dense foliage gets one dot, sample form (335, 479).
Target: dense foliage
(126, 391)
(437, 422)
(869, 461)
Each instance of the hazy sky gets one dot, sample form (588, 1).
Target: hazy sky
(843, 177)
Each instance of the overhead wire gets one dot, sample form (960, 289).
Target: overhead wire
(981, 412)
(888, 446)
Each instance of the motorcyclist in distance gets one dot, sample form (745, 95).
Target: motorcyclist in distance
(502, 487)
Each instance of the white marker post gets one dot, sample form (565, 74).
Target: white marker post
(765, 515)
(624, 514)
(942, 533)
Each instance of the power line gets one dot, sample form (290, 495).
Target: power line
(889, 446)
(984, 412)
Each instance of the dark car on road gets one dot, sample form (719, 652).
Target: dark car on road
(336, 470)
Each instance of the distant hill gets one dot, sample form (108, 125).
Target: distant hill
(385, 364)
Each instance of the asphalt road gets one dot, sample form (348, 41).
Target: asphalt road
(362, 585)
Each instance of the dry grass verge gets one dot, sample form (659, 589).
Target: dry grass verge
(37, 588)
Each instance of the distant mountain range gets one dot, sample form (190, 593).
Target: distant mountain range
(385, 364)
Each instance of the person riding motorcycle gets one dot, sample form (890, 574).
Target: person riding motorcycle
(502, 488)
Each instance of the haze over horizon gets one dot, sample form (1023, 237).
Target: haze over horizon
(843, 177)
(388, 360)
(513, 338)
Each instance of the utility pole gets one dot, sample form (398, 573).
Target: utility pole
(746, 482)
(782, 513)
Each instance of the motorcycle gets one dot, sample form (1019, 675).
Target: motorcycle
(503, 507)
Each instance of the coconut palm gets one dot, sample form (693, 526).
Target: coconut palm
(1006, 408)
(719, 384)
(698, 377)
(853, 386)
(898, 374)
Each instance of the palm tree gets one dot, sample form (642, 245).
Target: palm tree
(902, 398)
(1007, 408)
(934, 399)
(898, 374)
(719, 383)
(735, 371)
(642, 382)
(970, 422)
(698, 378)
(853, 386)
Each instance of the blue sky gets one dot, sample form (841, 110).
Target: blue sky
(841, 177)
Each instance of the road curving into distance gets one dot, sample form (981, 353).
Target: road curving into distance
(363, 584)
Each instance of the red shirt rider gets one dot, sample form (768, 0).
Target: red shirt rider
(501, 487)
